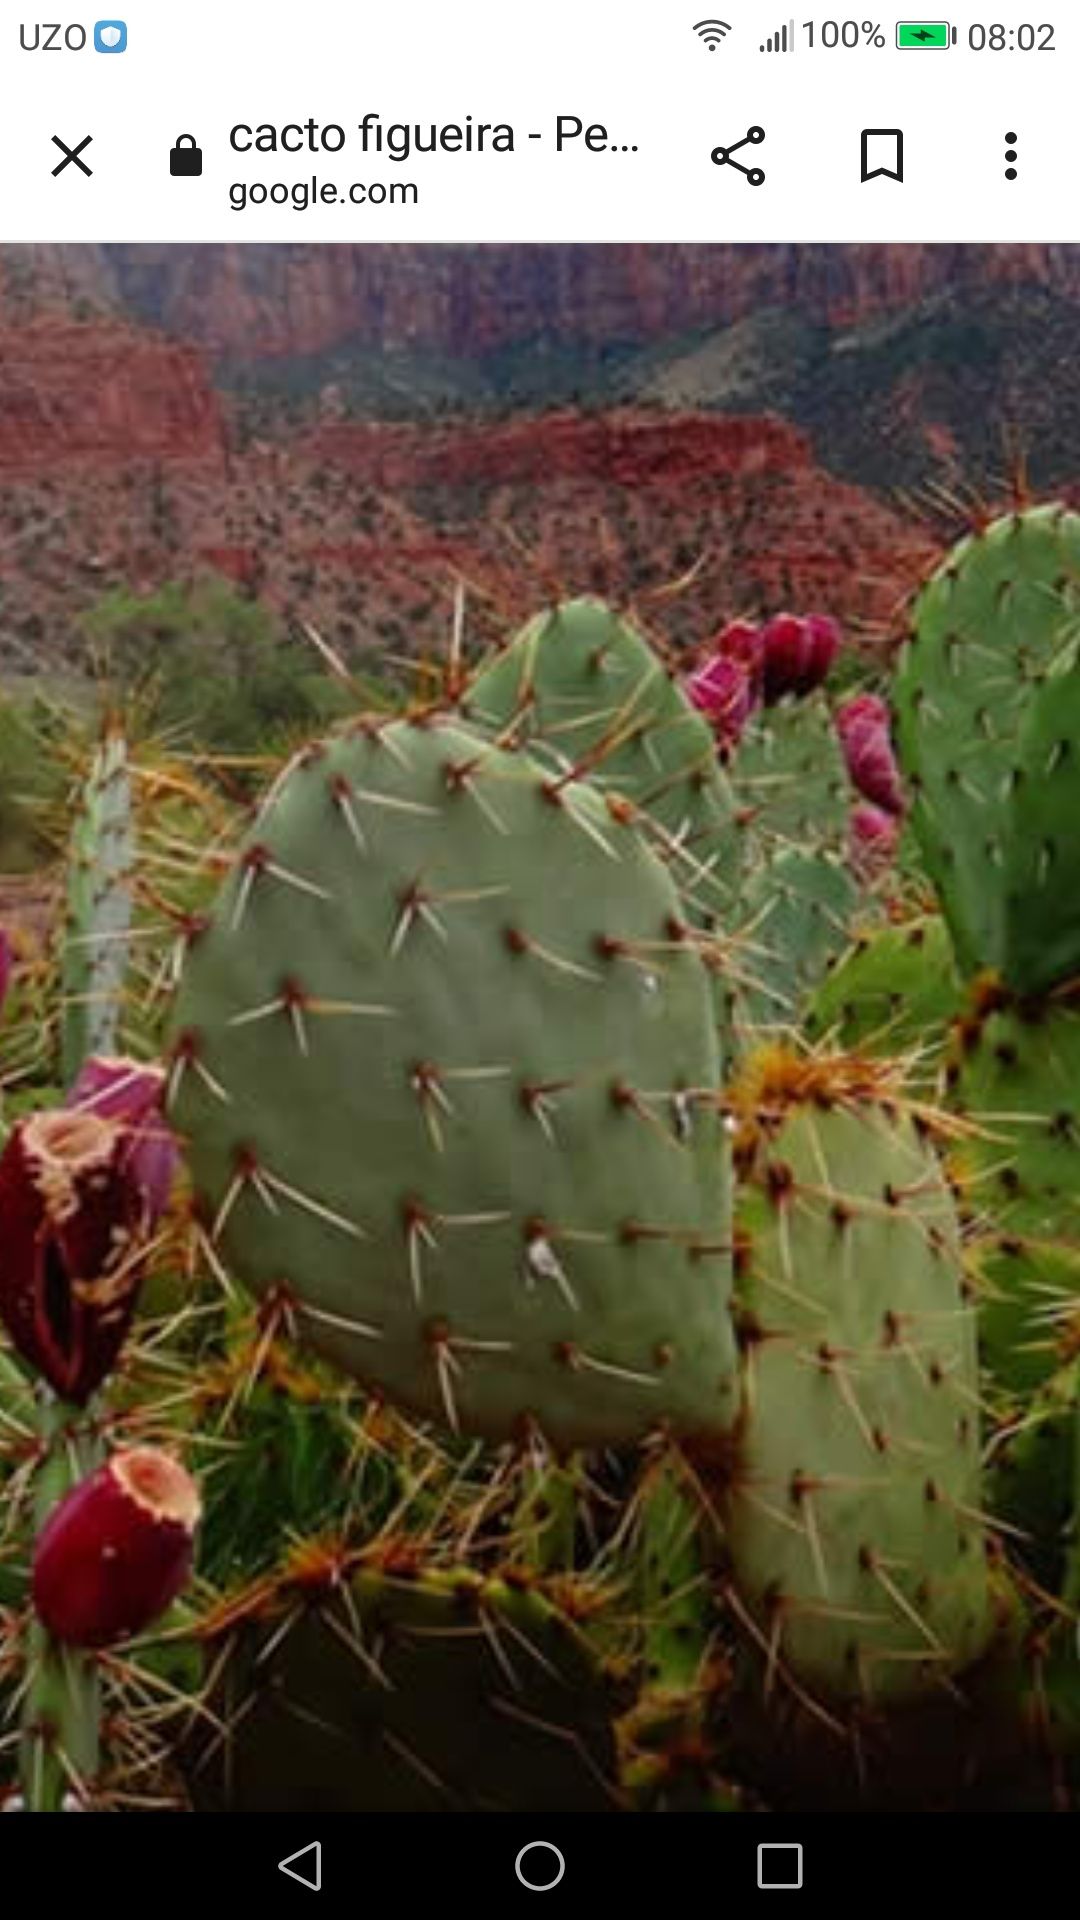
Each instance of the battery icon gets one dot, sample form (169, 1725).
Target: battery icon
(923, 33)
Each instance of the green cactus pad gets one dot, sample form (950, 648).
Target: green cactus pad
(1042, 868)
(544, 1530)
(852, 1508)
(895, 992)
(438, 1693)
(672, 1762)
(1015, 1073)
(580, 687)
(445, 1059)
(981, 743)
(795, 916)
(1031, 1479)
(678, 1615)
(789, 778)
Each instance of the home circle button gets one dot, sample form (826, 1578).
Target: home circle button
(540, 1866)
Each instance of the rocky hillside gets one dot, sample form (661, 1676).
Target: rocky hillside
(346, 430)
(362, 529)
(464, 301)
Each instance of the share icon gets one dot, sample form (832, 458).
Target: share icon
(724, 156)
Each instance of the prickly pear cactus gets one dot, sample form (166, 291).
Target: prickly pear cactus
(445, 1060)
(438, 1692)
(678, 1617)
(796, 915)
(853, 1502)
(1031, 1478)
(1042, 871)
(580, 687)
(987, 699)
(789, 778)
(545, 1529)
(99, 904)
(894, 992)
(1013, 1073)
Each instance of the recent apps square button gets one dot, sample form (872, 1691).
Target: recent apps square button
(779, 1865)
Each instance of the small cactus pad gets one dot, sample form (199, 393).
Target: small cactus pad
(893, 992)
(581, 687)
(853, 1502)
(1014, 1073)
(445, 1060)
(796, 913)
(988, 743)
(1031, 1479)
(438, 1693)
(790, 782)
(678, 1616)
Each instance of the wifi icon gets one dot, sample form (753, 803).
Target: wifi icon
(713, 32)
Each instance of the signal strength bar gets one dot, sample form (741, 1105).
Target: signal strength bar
(782, 41)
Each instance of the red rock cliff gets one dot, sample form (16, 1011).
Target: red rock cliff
(104, 392)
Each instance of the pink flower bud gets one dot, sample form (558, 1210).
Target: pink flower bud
(722, 690)
(864, 727)
(132, 1093)
(872, 842)
(72, 1226)
(797, 654)
(117, 1549)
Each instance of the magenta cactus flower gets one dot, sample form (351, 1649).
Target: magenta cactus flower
(865, 729)
(116, 1550)
(797, 654)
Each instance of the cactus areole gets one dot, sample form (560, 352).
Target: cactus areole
(447, 1067)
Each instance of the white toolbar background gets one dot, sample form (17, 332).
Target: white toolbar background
(638, 68)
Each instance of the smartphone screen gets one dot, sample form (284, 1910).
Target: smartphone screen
(539, 948)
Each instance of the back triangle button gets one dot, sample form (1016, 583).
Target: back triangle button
(311, 1874)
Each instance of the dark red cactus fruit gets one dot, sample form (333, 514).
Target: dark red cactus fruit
(865, 729)
(872, 842)
(72, 1238)
(723, 691)
(132, 1093)
(797, 654)
(117, 1549)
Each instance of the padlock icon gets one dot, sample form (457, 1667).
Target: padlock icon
(186, 157)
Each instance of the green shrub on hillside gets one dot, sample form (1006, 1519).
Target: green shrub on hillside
(212, 664)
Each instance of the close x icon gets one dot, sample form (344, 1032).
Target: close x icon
(72, 154)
